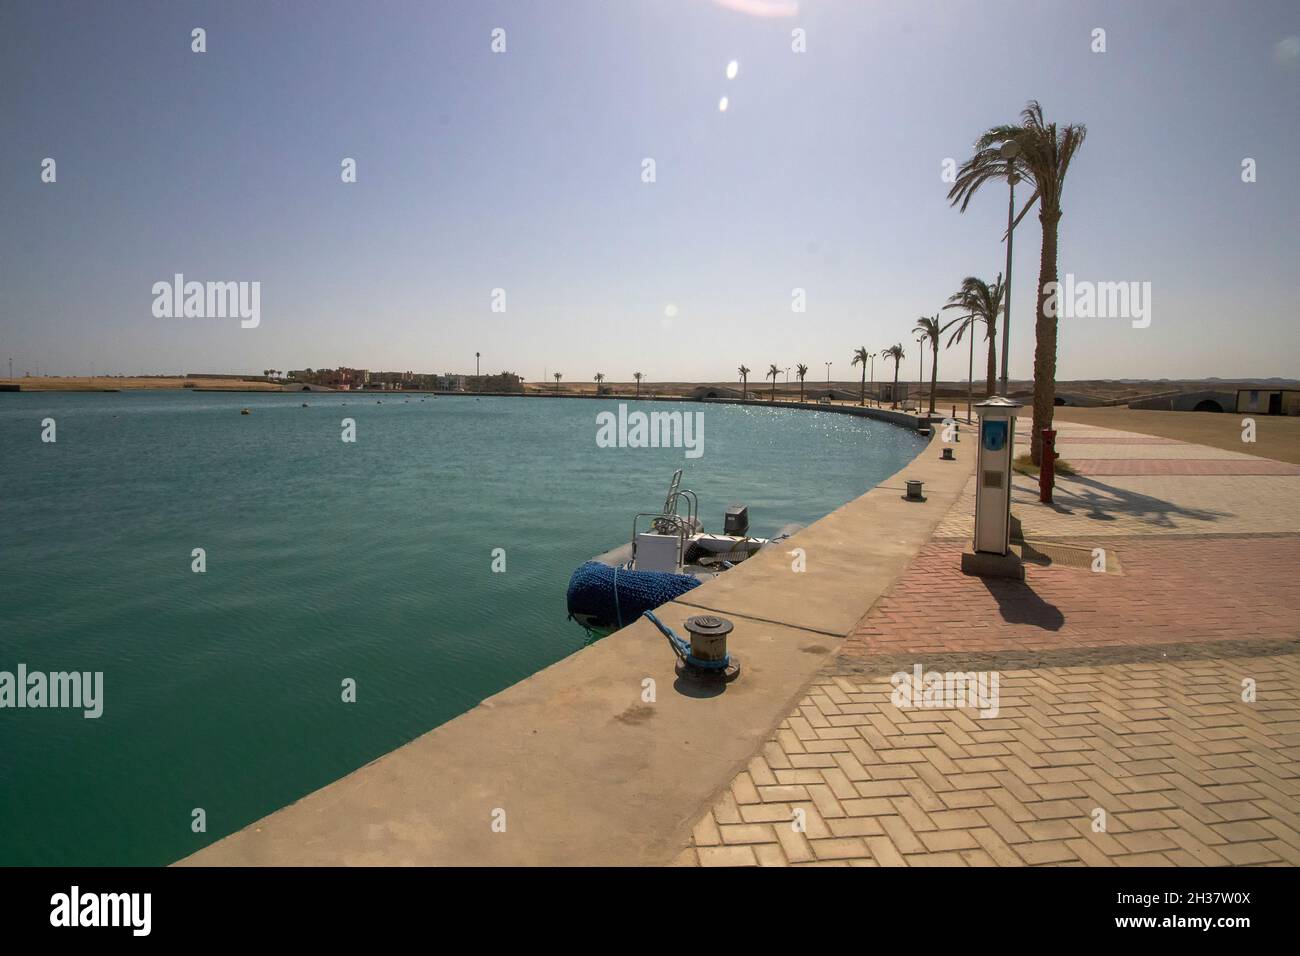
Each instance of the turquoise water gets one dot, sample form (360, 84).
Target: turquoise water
(325, 561)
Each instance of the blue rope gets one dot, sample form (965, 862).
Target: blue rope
(617, 610)
(682, 649)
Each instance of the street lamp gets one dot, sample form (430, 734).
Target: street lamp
(1010, 150)
(920, 354)
(828, 379)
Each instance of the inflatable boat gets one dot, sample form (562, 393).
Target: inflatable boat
(670, 553)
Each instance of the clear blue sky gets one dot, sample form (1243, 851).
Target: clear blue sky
(522, 170)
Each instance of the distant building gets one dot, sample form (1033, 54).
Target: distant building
(349, 379)
(504, 382)
(1269, 401)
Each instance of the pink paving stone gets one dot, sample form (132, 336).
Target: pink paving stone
(1118, 440)
(1116, 467)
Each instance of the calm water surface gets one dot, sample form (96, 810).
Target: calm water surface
(325, 561)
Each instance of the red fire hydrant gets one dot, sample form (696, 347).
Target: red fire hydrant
(1047, 473)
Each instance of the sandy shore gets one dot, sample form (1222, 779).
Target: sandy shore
(83, 383)
(1276, 436)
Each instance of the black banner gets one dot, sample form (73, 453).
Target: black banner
(332, 905)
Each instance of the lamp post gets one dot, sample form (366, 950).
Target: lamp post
(1010, 150)
(828, 379)
(970, 369)
(920, 381)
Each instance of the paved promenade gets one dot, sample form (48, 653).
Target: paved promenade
(1148, 711)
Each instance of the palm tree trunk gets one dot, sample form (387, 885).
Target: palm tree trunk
(970, 374)
(1044, 338)
(934, 370)
(894, 393)
(993, 361)
(800, 391)
(862, 400)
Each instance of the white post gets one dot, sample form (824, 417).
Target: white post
(997, 433)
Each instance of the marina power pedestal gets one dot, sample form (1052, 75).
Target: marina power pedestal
(997, 433)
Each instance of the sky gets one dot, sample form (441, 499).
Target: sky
(522, 170)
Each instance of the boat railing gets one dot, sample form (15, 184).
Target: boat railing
(670, 502)
(692, 510)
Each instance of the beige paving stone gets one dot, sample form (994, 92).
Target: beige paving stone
(839, 848)
(726, 856)
(747, 833)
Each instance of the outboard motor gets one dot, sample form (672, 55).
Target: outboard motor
(736, 521)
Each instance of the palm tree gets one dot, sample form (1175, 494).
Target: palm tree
(744, 381)
(637, 376)
(981, 302)
(930, 328)
(861, 357)
(772, 373)
(801, 372)
(600, 377)
(1042, 155)
(896, 353)
(558, 376)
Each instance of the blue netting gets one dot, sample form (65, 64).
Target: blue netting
(607, 597)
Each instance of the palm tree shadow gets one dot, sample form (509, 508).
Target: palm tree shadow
(1018, 603)
(1102, 502)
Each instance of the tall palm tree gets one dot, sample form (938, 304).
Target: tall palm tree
(637, 376)
(1042, 155)
(772, 373)
(981, 303)
(930, 328)
(801, 372)
(558, 376)
(861, 357)
(896, 353)
(744, 381)
(600, 377)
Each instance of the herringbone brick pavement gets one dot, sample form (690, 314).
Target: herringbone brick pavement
(1172, 590)
(1151, 759)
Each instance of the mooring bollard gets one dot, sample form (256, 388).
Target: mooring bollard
(705, 658)
(708, 637)
(914, 490)
(947, 455)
